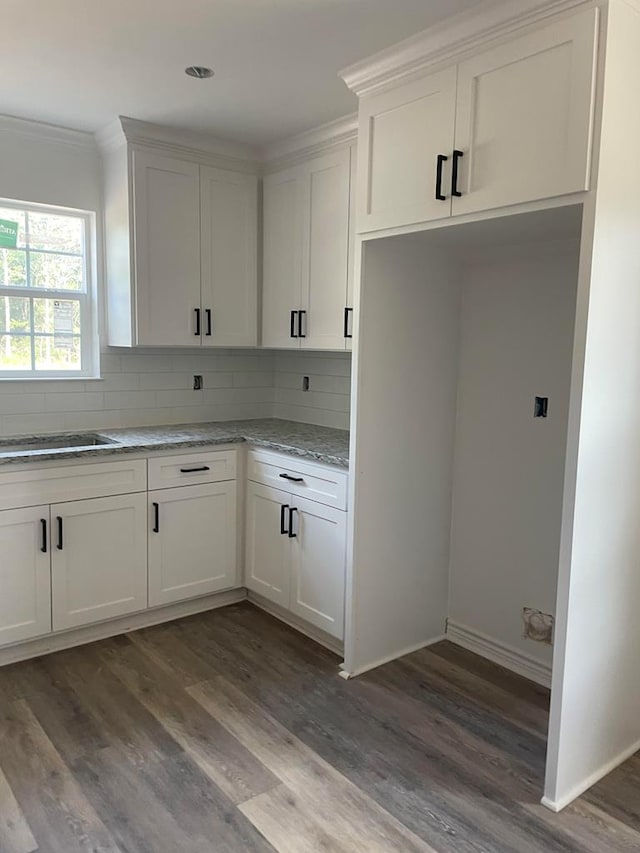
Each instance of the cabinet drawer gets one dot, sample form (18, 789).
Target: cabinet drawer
(316, 482)
(166, 472)
(30, 486)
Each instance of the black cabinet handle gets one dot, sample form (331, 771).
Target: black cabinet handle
(283, 510)
(43, 525)
(194, 470)
(301, 334)
(292, 479)
(291, 534)
(442, 158)
(209, 326)
(347, 312)
(454, 172)
(197, 331)
(292, 325)
(60, 543)
(156, 517)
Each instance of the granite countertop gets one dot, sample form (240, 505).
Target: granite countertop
(317, 443)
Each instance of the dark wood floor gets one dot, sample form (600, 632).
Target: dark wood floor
(230, 732)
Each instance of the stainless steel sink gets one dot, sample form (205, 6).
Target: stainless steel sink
(54, 442)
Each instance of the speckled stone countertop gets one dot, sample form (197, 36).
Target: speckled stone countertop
(307, 441)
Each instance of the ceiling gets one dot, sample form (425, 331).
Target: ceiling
(81, 63)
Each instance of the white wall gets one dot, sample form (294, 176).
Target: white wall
(402, 450)
(48, 165)
(518, 308)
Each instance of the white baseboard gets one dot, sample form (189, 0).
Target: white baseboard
(500, 653)
(315, 634)
(103, 630)
(388, 658)
(596, 776)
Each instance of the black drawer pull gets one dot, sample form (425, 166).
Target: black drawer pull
(60, 543)
(283, 510)
(43, 525)
(291, 479)
(301, 334)
(292, 325)
(156, 517)
(291, 534)
(208, 333)
(454, 173)
(442, 158)
(347, 312)
(194, 470)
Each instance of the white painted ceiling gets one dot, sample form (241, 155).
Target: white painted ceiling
(81, 63)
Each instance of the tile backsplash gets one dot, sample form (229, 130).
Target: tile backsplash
(156, 387)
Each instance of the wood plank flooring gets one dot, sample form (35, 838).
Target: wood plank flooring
(228, 731)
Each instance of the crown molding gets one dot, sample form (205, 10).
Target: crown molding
(468, 31)
(325, 137)
(198, 147)
(43, 131)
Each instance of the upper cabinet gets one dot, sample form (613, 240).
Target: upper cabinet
(308, 254)
(181, 250)
(511, 124)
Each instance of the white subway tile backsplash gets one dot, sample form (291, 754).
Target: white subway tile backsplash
(155, 387)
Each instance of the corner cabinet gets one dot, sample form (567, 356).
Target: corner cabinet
(181, 251)
(512, 124)
(307, 254)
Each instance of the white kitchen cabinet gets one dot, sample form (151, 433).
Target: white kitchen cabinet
(98, 559)
(402, 134)
(268, 557)
(306, 254)
(296, 547)
(318, 564)
(166, 222)
(180, 241)
(192, 544)
(25, 574)
(229, 264)
(283, 229)
(524, 116)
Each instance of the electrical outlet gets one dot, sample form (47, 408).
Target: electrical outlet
(538, 626)
(197, 382)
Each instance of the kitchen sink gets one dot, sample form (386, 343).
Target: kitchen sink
(54, 442)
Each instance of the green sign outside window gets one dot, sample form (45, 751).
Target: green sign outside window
(8, 234)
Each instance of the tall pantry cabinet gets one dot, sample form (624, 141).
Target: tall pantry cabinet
(504, 131)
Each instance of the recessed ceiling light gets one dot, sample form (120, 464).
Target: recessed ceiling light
(201, 72)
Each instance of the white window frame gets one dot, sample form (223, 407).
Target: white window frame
(89, 348)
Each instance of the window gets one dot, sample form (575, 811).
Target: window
(47, 318)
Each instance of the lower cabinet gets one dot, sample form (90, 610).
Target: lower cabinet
(296, 555)
(192, 544)
(98, 559)
(25, 574)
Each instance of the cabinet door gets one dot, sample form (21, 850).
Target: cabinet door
(283, 207)
(401, 134)
(318, 565)
(268, 551)
(192, 544)
(325, 251)
(166, 224)
(524, 116)
(98, 559)
(25, 574)
(228, 239)
(353, 263)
